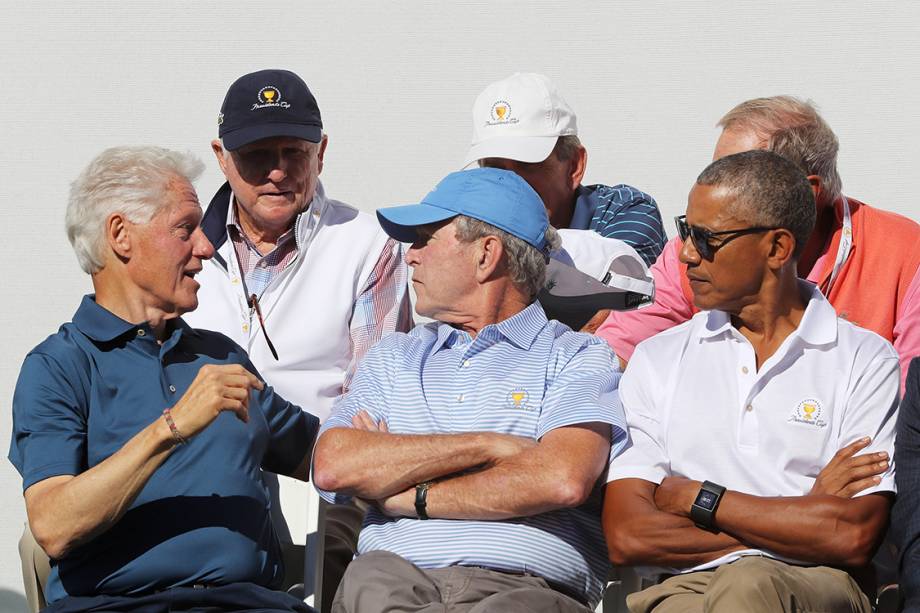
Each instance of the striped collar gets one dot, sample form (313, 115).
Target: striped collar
(521, 330)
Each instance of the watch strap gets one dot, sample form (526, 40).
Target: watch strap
(701, 516)
(421, 499)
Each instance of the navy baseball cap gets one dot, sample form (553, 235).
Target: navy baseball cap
(498, 197)
(268, 103)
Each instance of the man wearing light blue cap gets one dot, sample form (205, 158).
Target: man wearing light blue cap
(479, 437)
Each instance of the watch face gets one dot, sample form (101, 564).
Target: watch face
(706, 499)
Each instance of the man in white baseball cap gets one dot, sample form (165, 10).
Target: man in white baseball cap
(522, 124)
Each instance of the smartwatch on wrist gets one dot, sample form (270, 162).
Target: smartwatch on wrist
(703, 509)
(421, 499)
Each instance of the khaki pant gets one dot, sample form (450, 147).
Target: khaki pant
(754, 584)
(379, 582)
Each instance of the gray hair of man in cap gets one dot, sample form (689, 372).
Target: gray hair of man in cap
(526, 264)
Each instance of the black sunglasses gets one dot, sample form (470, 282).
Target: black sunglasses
(702, 238)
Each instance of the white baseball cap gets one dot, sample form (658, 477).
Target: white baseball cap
(519, 118)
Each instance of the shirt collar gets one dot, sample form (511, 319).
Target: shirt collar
(233, 225)
(97, 322)
(817, 327)
(521, 329)
(303, 223)
(101, 325)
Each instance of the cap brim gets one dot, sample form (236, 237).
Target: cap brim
(569, 286)
(400, 222)
(530, 149)
(243, 136)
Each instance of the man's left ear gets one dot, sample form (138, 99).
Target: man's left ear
(321, 153)
(817, 187)
(782, 248)
(489, 255)
(577, 166)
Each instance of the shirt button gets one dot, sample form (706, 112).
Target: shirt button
(744, 369)
(466, 363)
(460, 398)
(749, 408)
(141, 333)
(172, 388)
(245, 327)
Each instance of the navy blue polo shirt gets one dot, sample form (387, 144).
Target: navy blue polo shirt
(203, 517)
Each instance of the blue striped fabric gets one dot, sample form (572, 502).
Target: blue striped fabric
(524, 376)
(622, 212)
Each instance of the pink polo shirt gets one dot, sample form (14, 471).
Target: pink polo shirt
(878, 286)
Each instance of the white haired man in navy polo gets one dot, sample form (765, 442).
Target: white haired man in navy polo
(480, 437)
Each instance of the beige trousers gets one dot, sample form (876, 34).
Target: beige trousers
(754, 584)
(382, 582)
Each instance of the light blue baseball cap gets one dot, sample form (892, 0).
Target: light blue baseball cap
(498, 197)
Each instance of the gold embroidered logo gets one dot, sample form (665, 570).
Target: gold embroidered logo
(501, 113)
(270, 96)
(808, 412)
(517, 398)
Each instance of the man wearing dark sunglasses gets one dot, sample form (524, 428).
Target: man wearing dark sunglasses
(866, 261)
(732, 481)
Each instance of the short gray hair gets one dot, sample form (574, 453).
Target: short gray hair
(526, 264)
(769, 190)
(794, 129)
(132, 181)
(566, 147)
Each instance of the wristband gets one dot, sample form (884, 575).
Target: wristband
(421, 499)
(703, 509)
(177, 436)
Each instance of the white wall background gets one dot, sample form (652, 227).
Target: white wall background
(395, 82)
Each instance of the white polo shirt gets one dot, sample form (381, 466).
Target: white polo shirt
(698, 407)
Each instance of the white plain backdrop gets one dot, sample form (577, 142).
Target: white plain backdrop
(395, 83)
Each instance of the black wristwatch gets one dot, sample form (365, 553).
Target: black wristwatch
(421, 499)
(703, 509)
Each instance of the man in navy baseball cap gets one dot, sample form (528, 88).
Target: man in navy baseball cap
(306, 284)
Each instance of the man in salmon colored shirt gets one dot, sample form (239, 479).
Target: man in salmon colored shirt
(865, 260)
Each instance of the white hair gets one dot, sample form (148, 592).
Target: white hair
(132, 181)
(794, 129)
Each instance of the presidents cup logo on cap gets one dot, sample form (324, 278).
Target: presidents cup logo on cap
(270, 96)
(808, 412)
(501, 113)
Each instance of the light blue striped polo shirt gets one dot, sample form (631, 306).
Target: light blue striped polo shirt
(523, 376)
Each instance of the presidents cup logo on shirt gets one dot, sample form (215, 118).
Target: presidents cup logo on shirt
(270, 96)
(517, 398)
(808, 412)
(501, 113)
